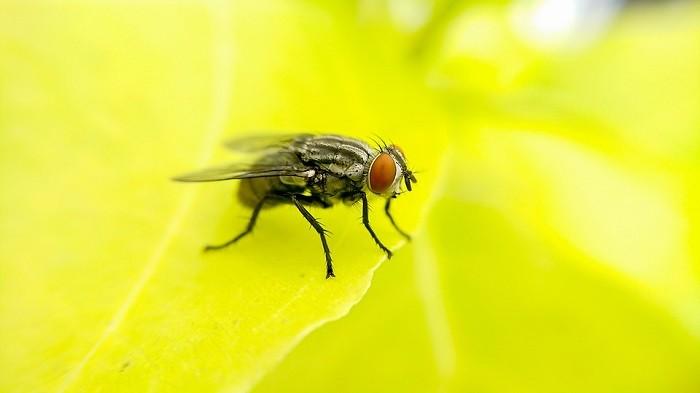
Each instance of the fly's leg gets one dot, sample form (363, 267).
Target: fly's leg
(365, 221)
(248, 229)
(321, 232)
(387, 210)
(313, 200)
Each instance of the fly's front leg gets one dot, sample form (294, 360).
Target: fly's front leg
(249, 228)
(321, 232)
(391, 219)
(365, 221)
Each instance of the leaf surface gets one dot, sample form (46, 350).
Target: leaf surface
(103, 283)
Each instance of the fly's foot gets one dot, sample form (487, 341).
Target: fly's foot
(210, 247)
(384, 248)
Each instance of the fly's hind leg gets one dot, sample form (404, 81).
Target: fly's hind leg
(387, 210)
(365, 221)
(248, 229)
(321, 232)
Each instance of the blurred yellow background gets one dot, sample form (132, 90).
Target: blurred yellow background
(556, 219)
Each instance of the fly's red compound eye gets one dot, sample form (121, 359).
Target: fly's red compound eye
(382, 173)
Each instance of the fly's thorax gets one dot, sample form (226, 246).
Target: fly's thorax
(298, 181)
(334, 186)
(341, 156)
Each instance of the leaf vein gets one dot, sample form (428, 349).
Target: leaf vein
(222, 64)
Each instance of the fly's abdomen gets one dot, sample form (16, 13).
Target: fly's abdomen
(252, 191)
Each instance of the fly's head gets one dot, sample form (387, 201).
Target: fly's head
(388, 171)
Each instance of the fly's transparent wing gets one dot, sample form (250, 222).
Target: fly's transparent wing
(262, 142)
(237, 171)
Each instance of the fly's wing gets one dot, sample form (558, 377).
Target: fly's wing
(237, 171)
(263, 142)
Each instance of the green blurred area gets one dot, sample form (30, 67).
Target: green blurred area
(557, 227)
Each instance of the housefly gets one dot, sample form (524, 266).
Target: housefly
(315, 171)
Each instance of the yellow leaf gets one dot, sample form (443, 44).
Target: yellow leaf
(104, 285)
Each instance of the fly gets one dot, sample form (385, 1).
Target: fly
(307, 170)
